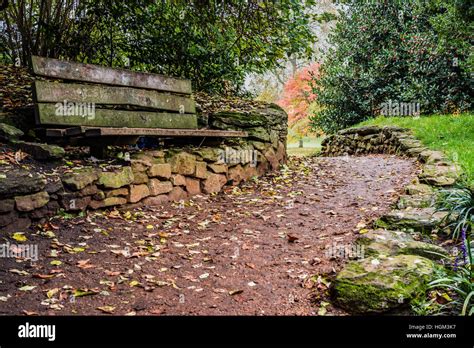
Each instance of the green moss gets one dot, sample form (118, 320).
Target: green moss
(377, 285)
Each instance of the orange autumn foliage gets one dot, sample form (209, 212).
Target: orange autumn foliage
(297, 93)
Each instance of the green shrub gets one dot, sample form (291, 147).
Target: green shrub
(395, 50)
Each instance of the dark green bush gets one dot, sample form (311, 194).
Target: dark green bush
(403, 51)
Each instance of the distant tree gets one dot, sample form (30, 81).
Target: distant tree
(298, 94)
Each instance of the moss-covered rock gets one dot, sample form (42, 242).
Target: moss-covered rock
(259, 133)
(41, 152)
(440, 174)
(419, 189)
(389, 243)
(116, 179)
(8, 132)
(416, 201)
(376, 285)
(417, 219)
(80, 178)
(238, 119)
(183, 163)
(208, 154)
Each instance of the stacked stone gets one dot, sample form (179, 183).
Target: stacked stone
(395, 267)
(437, 169)
(151, 177)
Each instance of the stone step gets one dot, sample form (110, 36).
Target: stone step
(384, 243)
(416, 201)
(415, 219)
(440, 174)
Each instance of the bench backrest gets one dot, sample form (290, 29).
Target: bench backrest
(109, 97)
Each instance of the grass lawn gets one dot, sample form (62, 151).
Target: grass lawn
(453, 134)
(311, 146)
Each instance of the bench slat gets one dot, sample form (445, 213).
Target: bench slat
(98, 74)
(53, 92)
(96, 132)
(47, 115)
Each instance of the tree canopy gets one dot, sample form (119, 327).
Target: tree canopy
(214, 43)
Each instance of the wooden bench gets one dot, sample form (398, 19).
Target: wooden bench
(99, 106)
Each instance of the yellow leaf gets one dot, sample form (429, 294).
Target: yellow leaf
(52, 292)
(106, 309)
(55, 263)
(134, 283)
(19, 237)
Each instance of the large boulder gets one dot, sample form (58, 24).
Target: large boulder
(376, 285)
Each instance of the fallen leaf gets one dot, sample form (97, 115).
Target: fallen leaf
(291, 239)
(106, 309)
(43, 276)
(27, 288)
(84, 292)
(17, 271)
(235, 292)
(19, 237)
(84, 264)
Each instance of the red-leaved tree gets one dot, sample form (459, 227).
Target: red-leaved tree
(297, 93)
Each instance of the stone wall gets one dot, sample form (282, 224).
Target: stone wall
(150, 177)
(437, 170)
(398, 255)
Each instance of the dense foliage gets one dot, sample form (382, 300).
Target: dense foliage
(214, 43)
(406, 51)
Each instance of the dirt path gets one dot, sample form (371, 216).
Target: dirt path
(259, 249)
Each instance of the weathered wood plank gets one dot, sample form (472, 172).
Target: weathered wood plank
(52, 92)
(73, 131)
(48, 115)
(111, 76)
(55, 133)
(97, 132)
